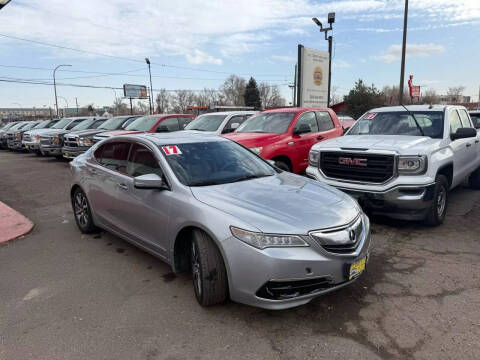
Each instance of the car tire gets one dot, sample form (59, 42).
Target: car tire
(38, 153)
(208, 270)
(282, 165)
(474, 180)
(436, 213)
(82, 212)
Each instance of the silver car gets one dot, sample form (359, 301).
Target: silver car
(202, 203)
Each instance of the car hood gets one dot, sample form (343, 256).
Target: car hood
(402, 144)
(254, 139)
(43, 131)
(283, 203)
(55, 132)
(87, 133)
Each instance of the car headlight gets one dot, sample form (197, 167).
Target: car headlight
(313, 158)
(56, 140)
(262, 241)
(85, 142)
(412, 165)
(19, 136)
(256, 150)
(37, 138)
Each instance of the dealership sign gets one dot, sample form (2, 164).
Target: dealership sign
(414, 90)
(312, 77)
(135, 91)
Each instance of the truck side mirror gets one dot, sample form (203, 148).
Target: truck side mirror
(463, 133)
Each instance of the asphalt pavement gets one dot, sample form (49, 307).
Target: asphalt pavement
(64, 295)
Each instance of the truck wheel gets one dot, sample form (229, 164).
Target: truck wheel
(39, 153)
(282, 165)
(82, 212)
(436, 213)
(474, 180)
(208, 271)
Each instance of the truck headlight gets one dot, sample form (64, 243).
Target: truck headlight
(256, 150)
(19, 136)
(313, 158)
(37, 138)
(85, 142)
(56, 140)
(262, 241)
(412, 165)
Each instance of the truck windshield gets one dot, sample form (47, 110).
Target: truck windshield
(84, 125)
(214, 163)
(400, 123)
(113, 123)
(206, 122)
(276, 123)
(144, 123)
(61, 124)
(42, 125)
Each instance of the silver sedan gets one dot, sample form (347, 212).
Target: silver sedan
(245, 229)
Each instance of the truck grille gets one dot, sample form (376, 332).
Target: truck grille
(71, 141)
(46, 140)
(10, 136)
(361, 167)
(26, 137)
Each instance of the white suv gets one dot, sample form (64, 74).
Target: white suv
(402, 161)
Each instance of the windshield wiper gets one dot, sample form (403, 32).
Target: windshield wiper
(414, 119)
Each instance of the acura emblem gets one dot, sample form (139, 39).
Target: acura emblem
(351, 235)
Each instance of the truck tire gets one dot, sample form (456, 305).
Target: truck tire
(82, 212)
(474, 180)
(436, 213)
(282, 165)
(208, 270)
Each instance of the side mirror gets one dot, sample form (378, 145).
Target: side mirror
(162, 128)
(303, 129)
(149, 181)
(463, 133)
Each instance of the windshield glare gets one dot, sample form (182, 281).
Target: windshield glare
(42, 125)
(112, 124)
(400, 123)
(85, 124)
(277, 123)
(206, 123)
(61, 124)
(216, 162)
(143, 123)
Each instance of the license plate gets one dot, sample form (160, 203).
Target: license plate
(357, 268)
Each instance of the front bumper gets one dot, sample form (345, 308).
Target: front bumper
(399, 201)
(254, 273)
(72, 152)
(51, 150)
(31, 145)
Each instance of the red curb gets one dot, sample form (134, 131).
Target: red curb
(12, 224)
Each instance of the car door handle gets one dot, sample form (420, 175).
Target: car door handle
(122, 186)
(468, 145)
(477, 141)
(320, 137)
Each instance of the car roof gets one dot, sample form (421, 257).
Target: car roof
(295, 109)
(176, 137)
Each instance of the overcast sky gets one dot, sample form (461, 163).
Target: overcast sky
(196, 43)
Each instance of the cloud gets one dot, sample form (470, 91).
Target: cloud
(284, 58)
(394, 52)
(199, 57)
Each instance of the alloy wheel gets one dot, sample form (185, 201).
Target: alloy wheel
(196, 273)
(81, 209)
(441, 201)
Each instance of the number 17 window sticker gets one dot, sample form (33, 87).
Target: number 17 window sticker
(171, 150)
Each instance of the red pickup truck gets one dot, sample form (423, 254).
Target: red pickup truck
(286, 135)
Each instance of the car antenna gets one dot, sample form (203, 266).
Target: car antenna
(415, 119)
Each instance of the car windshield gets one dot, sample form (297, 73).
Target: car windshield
(475, 120)
(29, 126)
(18, 126)
(112, 124)
(277, 123)
(61, 124)
(85, 124)
(209, 122)
(400, 123)
(143, 123)
(9, 126)
(214, 163)
(42, 125)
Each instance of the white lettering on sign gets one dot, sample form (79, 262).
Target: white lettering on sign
(171, 150)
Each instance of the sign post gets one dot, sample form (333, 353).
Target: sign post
(313, 77)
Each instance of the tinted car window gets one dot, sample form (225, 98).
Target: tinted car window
(184, 121)
(142, 162)
(61, 124)
(42, 125)
(464, 118)
(476, 120)
(237, 119)
(455, 122)
(74, 124)
(170, 124)
(114, 156)
(325, 121)
(307, 120)
(276, 123)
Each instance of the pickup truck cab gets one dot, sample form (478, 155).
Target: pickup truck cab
(402, 161)
(150, 124)
(219, 122)
(286, 135)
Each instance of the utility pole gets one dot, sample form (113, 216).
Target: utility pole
(55, 86)
(404, 45)
(147, 60)
(76, 102)
(131, 107)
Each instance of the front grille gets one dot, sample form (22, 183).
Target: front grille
(10, 136)
(26, 137)
(71, 141)
(280, 290)
(342, 240)
(46, 140)
(357, 167)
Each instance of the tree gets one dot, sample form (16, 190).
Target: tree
(182, 99)
(270, 95)
(362, 98)
(120, 108)
(207, 97)
(430, 97)
(141, 108)
(252, 95)
(164, 101)
(391, 95)
(455, 93)
(232, 91)
(335, 98)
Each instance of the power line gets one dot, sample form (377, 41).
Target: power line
(122, 57)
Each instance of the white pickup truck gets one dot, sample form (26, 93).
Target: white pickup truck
(402, 161)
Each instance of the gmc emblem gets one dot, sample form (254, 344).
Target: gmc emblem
(352, 161)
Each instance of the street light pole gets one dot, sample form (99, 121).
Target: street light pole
(66, 102)
(55, 85)
(147, 60)
(404, 45)
(331, 20)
